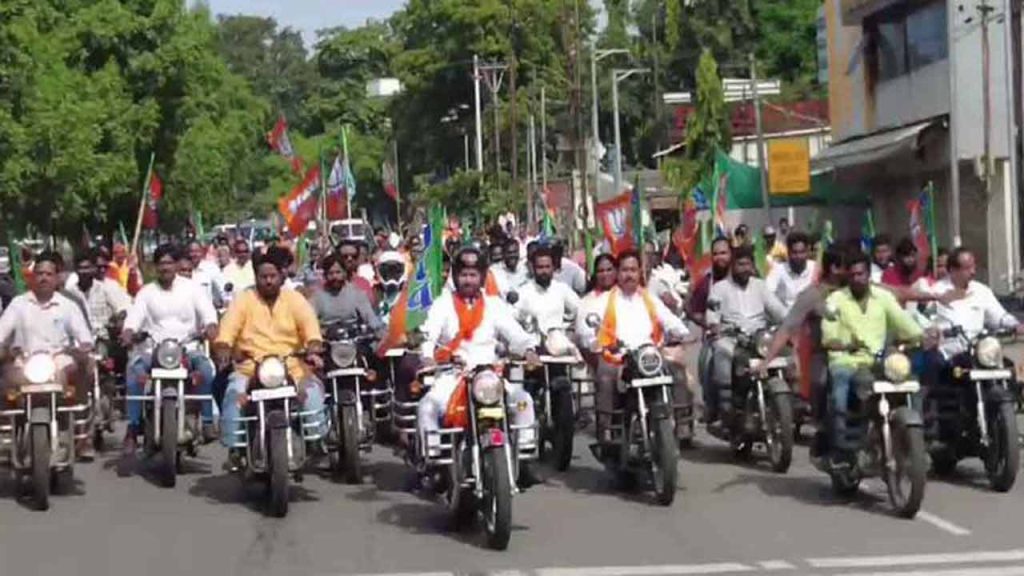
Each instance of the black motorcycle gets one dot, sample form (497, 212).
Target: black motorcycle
(758, 406)
(883, 436)
(355, 405)
(972, 410)
(641, 431)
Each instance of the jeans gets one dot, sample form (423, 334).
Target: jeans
(710, 392)
(140, 369)
(722, 351)
(231, 410)
(843, 381)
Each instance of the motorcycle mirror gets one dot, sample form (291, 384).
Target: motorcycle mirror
(714, 305)
(512, 297)
(831, 312)
(593, 321)
(229, 287)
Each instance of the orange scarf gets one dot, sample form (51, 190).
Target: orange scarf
(470, 319)
(606, 336)
(490, 285)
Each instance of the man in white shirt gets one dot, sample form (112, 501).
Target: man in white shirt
(787, 280)
(102, 299)
(740, 301)
(551, 302)
(239, 273)
(206, 274)
(172, 308)
(43, 320)
(509, 273)
(633, 318)
(881, 256)
(457, 327)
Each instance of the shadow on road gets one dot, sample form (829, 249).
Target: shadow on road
(809, 490)
(429, 517)
(233, 489)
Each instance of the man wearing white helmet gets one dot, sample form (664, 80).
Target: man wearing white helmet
(392, 272)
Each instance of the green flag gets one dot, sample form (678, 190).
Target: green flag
(867, 232)
(124, 235)
(17, 274)
(760, 256)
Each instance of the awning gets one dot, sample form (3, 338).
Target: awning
(869, 149)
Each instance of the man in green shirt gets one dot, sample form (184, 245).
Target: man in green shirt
(860, 320)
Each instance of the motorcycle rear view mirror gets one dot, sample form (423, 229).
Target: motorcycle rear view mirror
(512, 297)
(593, 321)
(714, 305)
(229, 287)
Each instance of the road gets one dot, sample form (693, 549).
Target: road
(728, 518)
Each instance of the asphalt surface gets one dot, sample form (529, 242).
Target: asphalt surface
(728, 518)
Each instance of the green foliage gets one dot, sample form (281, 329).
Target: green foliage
(467, 194)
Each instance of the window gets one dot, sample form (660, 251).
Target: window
(927, 35)
(906, 37)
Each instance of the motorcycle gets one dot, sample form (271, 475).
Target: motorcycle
(759, 403)
(39, 435)
(642, 431)
(478, 458)
(108, 383)
(274, 433)
(355, 409)
(974, 411)
(884, 436)
(170, 426)
(553, 393)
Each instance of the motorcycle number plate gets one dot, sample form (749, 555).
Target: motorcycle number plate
(264, 394)
(42, 389)
(346, 372)
(647, 382)
(990, 374)
(163, 374)
(395, 353)
(776, 364)
(890, 388)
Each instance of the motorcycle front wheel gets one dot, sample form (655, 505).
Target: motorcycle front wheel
(41, 466)
(169, 442)
(1003, 459)
(563, 427)
(779, 432)
(664, 462)
(277, 504)
(497, 502)
(350, 444)
(906, 481)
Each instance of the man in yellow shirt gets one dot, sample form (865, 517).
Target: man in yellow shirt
(860, 321)
(268, 321)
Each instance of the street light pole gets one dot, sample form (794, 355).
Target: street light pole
(619, 76)
(595, 57)
(479, 124)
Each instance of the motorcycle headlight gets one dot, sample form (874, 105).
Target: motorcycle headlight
(40, 369)
(271, 372)
(989, 352)
(763, 343)
(168, 355)
(558, 343)
(897, 367)
(343, 354)
(649, 361)
(488, 388)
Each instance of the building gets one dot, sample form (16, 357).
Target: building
(908, 93)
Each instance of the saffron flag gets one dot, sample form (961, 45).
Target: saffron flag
(337, 208)
(299, 207)
(280, 143)
(154, 193)
(922, 226)
(616, 219)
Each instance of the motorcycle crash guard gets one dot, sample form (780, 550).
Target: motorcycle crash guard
(907, 417)
(660, 411)
(39, 415)
(999, 395)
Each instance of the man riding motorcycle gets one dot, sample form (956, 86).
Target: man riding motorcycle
(743, 302)
(393, 271)
(466, 325)
(101, 298)
(268, 321)
(42, 320)
(545, 298)
(172, 308)
(633, 318)
(340, 300)
(509, 273)
(861, 320)
(787, 280)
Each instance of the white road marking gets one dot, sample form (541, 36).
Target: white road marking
(974, 571)
(917, 559)
(410, 574)
(776, 565)
(942, 524)
(723, 568)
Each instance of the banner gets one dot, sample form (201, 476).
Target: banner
(154, 193)
(389, 180)
(300, 206)
(616, 219)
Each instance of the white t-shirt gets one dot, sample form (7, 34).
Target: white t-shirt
(786, 285)
(179, 313)
(442, 326)
(633, 321)
(549, 306)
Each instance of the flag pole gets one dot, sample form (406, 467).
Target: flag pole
(142, 204)
(931, 227)
(348, 162)
(398, 191)
(322, 202)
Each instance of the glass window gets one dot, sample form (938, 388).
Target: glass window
(891, 48)
(927, 35)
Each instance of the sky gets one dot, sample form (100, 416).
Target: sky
(310, 15)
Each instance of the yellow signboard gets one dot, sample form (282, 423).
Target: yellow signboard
(789, 166)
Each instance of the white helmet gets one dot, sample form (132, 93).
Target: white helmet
(391, 270)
